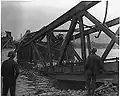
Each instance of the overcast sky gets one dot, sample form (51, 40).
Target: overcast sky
(19, 16)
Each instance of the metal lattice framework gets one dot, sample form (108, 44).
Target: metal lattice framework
(75, 15)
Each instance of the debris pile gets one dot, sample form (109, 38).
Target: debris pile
(56, 92)
(107, 89)
(42, 86)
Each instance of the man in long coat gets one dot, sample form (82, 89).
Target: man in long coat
(93, 67)
(9, 73)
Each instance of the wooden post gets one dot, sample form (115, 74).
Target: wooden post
(88, 43)
(83, 47)
(109, 47)
(67, 40)
(102, 27)
(49, 49)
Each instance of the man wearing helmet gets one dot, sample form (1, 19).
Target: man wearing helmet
(9, 72)
(93, 66)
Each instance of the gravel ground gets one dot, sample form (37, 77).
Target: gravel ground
(29, 83)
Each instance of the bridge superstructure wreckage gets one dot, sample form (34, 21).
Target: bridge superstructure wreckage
(59, 49)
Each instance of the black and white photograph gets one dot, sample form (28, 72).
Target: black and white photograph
(60, 47)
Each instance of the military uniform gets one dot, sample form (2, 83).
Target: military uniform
(9, 72)
(93, 67)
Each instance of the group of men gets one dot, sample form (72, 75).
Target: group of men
(10, 72)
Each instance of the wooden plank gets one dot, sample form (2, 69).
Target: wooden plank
(95, 29)
(109, 47)
(67, 40)
(83, 47)
(83, 5)
(103, 27)
(88, 43)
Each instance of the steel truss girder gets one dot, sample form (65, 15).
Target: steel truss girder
(109, 47)
(102, 27)
(109, 24)
(83, 5)
(67, 40)
(56, 43)
(33, 52)
(88, 43)
(95, 29)
(76, 54)
(39, 54)
(113, 22)
(83, 46)
(49, 48)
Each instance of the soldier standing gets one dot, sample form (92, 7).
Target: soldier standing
(9, 73)
(93, 66)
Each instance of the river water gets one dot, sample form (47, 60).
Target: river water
(112, 54)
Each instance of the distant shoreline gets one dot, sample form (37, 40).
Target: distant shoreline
(97, 45)
(97, 48)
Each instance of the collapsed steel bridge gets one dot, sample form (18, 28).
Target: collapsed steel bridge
(31, 46)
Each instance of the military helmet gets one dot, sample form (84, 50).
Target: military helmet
(11, 54)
